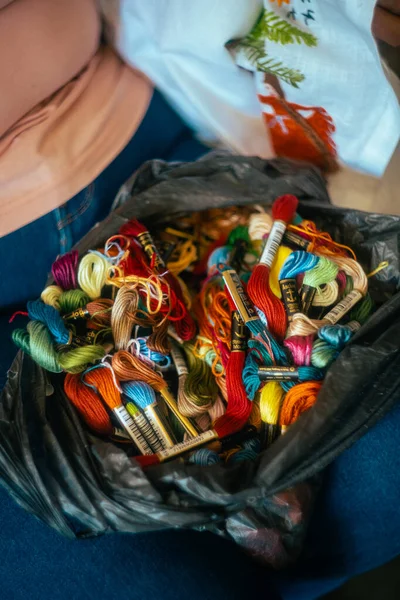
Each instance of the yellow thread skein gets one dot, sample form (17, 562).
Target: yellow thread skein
(92, 274)
(271, 399)
(51, 294)
(280, 258)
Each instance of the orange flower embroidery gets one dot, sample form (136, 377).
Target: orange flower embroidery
(299, 132)
(280, 2)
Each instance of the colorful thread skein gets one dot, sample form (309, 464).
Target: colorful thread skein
(121, 324)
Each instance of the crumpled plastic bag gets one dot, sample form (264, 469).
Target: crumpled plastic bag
(84, 486)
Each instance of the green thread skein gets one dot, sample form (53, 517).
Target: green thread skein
(324, 272)
(42, 348)
(362, 310)
(20, 337)
(200, 386)
(71, 300)
(77, 360)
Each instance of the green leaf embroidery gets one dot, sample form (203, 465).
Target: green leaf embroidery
(277, 68)
(272, 27)
(276, 29)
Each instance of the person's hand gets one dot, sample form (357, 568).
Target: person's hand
(386, 22)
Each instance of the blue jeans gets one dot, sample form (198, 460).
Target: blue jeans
(355, 528)
(28, 253)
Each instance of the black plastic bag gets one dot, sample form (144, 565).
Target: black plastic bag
(83, 486)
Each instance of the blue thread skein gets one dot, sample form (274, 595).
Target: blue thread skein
(335, 335)
(257, 355)
(258, 329)
(204, 457)
(161, 360)
(245, 454)
(141, 393)
(332, 339)
(298, 262)
(217, 256)
(49, 316)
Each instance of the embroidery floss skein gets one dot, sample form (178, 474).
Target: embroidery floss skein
(71, 300)
(326, 295)
(20, 337)
(251, 379)
(300, 348)
(258, 287)
(324, 272)
(332, 339)
(144, 397)
(248, 312)
(281, 257)
(185, 328)
(204, 457)
(259, 225)
(77, 360)
(187, 254)
(41, 347)
(64, 270)
(123, 316)
(144, 427)
(298, 399)
(92, 274)
(302, 325)
(197, 389)
(298, 262)
(51, 295)
(156, 360)
(290, 374)
(49, 316)
(101, 379)
(200, 387)
(130, 368)
(239, 406)
(271, 399)
(88, 404)
(97, 312)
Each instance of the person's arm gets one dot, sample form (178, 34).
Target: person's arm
(386, 23)
(43, 44)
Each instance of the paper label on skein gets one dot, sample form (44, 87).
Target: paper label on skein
(353, 326)
(148, 432)
(158, 426)
(247, 433)
(129, 425)
(293, 239)
(172, 334)
(242, 303)
(202, 438)
(146, 241)
(238, 333)
(273, 243)
(290, 297)
(85, 340)
(278, 373)
(79, 313)
(167, 249)
(120, 433)
(343, 307)
(179, 361)
(307, 296)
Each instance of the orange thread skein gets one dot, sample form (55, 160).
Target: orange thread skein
(299, 398)
(88, 404)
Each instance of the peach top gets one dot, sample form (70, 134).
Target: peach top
(65, 142)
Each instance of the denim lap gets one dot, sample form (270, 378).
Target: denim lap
(28, 253)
